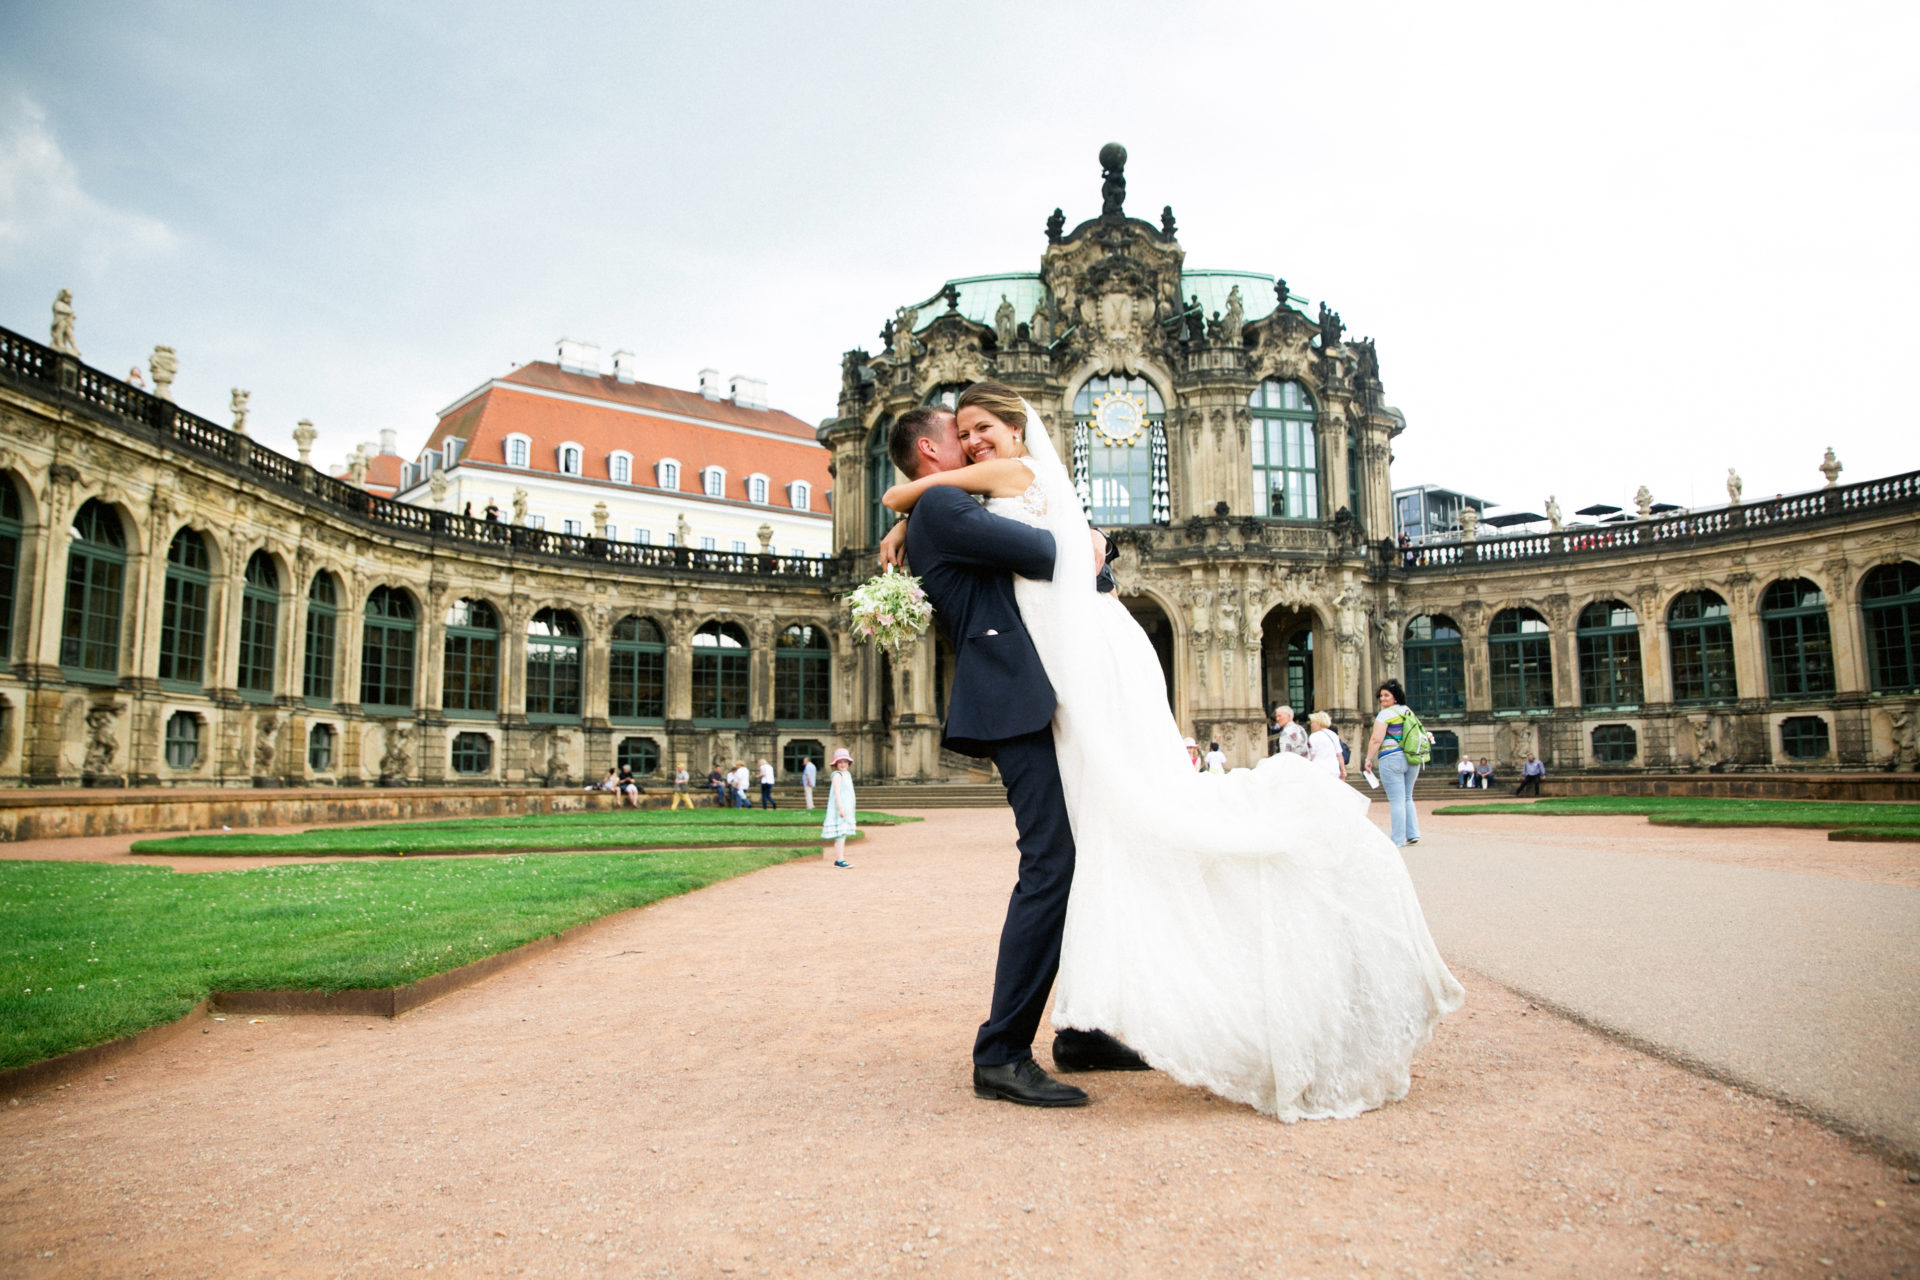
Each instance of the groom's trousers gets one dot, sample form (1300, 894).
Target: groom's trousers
(1037, 913)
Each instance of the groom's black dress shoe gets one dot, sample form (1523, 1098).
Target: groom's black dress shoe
(1095, 1051)
(1025, 1083)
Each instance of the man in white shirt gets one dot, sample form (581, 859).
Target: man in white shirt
(766, 785)
(738, 781)
(1216, 759)
(1289, 738)
(808, 777)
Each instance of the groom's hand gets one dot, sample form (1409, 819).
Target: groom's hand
(893, 547)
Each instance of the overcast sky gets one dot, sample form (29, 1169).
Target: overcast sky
(1598, 246)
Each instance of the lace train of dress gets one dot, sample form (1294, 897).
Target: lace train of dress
(1253, 933)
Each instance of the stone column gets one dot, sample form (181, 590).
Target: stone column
(1844, 624)
(1656, 672)
(1474, 660)
(1749, 654)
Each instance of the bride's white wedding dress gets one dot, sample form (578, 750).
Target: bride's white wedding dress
(1253, 934)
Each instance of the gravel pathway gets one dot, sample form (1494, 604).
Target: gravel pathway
(769, 1077)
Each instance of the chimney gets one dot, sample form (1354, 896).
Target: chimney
(579, 357)
(748, 393)
(623, 365)
(389, 440)
(710, 383)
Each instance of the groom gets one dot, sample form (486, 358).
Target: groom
(1001, 707)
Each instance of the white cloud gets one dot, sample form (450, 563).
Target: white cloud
(45, 210)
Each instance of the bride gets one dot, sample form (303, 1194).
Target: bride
(1253, 933)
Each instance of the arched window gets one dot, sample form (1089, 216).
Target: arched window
(470, 680)
(1286, 452)
(720, 674)
(880, 476)
(570, 456)
(1890, 604)
(1520, 661)
(9, 563)
(553, 666)
(96, 572)
(519, 450)
(1436, 666)
(183, 612)
(1793, 613)
(1701, 635)
(1608, 640)
(620, 466)
(802, 667)
(259, 625)
(642, 755)
(667, 473)
(757, 489)
(320, 748)
(323, 628)
(1120, 451)
(386, 652)
(637, 679)
(800, 495)
(713, 481)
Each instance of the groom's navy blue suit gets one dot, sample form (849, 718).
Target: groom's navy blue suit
(1001, 707)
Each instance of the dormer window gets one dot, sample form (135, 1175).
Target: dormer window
(620, 466)
(799, 495)
(666, 473)
(519, 450)
(757, 486)
(450, 451)
(713, 482)
(570, 458)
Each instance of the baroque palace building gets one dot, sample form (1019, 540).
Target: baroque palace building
(180, 606)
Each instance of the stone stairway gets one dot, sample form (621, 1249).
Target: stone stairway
(883, 796)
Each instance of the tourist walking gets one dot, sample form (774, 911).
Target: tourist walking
(1530, 774)
(718, 782)
(809, 779)
(1323, 746)
(1387, 758)
(1289, 738)
(840, 811)
(737, 780)
(680, 795)
(766, 786)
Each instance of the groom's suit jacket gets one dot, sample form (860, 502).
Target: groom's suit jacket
(965, 558)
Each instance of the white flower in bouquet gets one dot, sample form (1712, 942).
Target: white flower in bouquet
(890, 610)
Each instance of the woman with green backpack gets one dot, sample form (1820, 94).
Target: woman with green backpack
(1399, 746)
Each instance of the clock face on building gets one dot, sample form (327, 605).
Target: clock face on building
(1119, 417)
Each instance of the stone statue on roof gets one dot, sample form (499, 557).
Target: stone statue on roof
(520, 506)
(1331, 327)
(1830, 468)
(683, 531)
(1041, 325)
(1004, 322)
(903, 324)
(61, 338)
(1113, 180)
(303, 438)
(1553, 513)
(163, 365)
(1235, 319)
(357, 465)
(1056, 227)
(1643, 502)
(239, 406)
(1280, 292)
(1734, 486)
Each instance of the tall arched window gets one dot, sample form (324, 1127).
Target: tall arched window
(880, 475)
(1793, 613)
(519, 450)
(801, 670)
(9, 563)
(1608, 639)
(1120, 451)
(1436, 666)
(259, 625)
(1520, 661)
(553, 666)
(96, 573)
(183, 613)
(1701, 636)
(620, 467)
(1286, 452)
(470, 679)
(720, 674)
(637, 680)
(570, 459)
(323, 630)
(1354, 505)
(386, 652)
(1890, 605)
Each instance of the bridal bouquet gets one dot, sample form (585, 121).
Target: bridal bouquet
(890, 610)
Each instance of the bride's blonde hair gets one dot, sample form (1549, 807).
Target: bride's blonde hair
(998, 399)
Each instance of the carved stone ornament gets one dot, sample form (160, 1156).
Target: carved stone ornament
(437, 488)
(1734, 486)
(163, 364)
(1643, 502)
(303, 438)
(238, 404)
(266, 733)
(103, 743)
(1830, 467)
(61, 338)
(396, 759)
(951, 356)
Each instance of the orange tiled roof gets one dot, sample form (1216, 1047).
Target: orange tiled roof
(383, 474)
(602, 414)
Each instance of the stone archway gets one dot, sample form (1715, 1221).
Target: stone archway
(1159, 628)
(1289, 650)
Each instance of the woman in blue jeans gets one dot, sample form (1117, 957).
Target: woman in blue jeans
(1389, 762)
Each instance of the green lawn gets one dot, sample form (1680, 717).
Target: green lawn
(89, 953)
(1713, 812)
(538, 833)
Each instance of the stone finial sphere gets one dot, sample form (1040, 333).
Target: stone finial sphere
(1113, 156)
